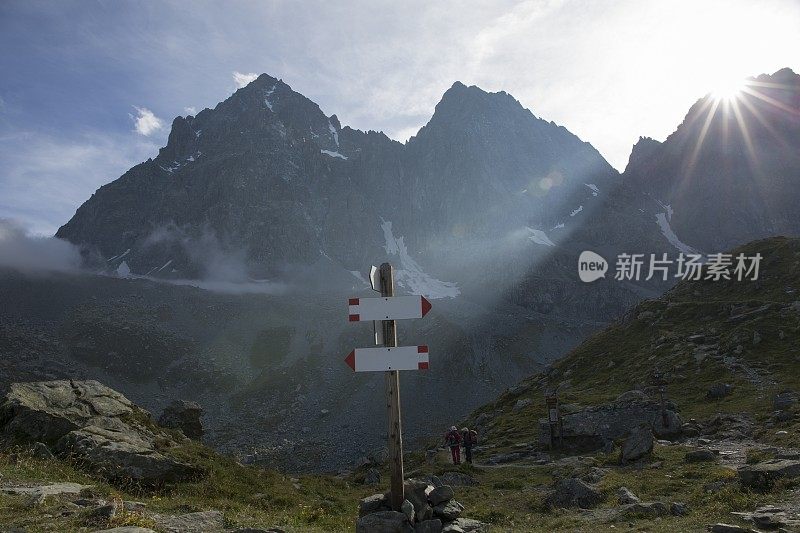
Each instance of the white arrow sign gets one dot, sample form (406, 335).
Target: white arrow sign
(385, 359)
(388, 308)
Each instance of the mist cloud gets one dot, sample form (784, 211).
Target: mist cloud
(22, 251)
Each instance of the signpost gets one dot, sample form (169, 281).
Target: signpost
(389, 357)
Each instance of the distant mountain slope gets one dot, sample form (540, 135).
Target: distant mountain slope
(700, 333)
(731, 171)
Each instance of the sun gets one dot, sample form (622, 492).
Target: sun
(728, 89)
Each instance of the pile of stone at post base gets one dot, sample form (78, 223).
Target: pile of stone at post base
(429, 507)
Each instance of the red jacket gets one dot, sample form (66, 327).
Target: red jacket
(452, 438)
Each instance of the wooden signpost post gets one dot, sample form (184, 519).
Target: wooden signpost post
(389, 358)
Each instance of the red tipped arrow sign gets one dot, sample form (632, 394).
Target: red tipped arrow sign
(386, 359)
(388, 308)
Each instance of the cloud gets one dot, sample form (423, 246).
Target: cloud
(23, 251)
(45, 178)
(243, 79)
(191, 110)
(146, 123)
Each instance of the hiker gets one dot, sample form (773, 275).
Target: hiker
(469, 438)
(453, 439)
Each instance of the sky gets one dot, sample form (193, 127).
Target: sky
(89, 88)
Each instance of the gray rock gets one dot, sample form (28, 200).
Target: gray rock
(573, 492)
(372, 476)
(417, 491)
(764, 474)
(591, 428)
(184, 416)
(49, 489)
(756, 338)
(650, 509)
(699, 456)
(440, 495)
(384, 522)
(632, 396)
(93, 424)
(407, 509)
(678, 509)
(522, 404)
(718, 391)
(104, 512)
(373, 504)
(448, 511)
(466, 525)
(638, 445)
(784, 400)
(41, 451)
(201, 522)
(126, 529)
(626, 497)
(428, 526)
(595, 474)
(117, 452)
(728, 528)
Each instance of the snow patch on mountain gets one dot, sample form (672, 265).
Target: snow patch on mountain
(539, 237)
(559, 225)
(662, 219)
(593, 187)
(580, 208)
(410, 275)
(123, 270)
(334, 154)
(267, 94)
(334, 133)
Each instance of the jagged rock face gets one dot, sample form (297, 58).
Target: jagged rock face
(730, 171)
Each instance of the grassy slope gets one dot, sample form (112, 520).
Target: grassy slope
(654, 337)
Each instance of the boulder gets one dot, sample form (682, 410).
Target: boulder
(678, 509)
(112, 449)
(374, 504)
(184, 416)
(429, 526)
(417, 491)
(49, 489)
(448, 511)
(408, 509)
(764, 474)
(441, 495)
(384, 522)
(650, 509)
(204, 521)
(466, 525)
(718, 391)
(632, 396)
(784, 400)
(573, 492)
(626, 497)
(94, 424)
(45, 411)
(728, 528)
(638, 445)
(700, 456)
(593, 427)
(372, 476)
(522, 404)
